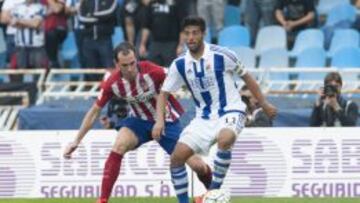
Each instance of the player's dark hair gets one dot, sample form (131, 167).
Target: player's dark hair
(125, 48)
(332, 76)
(194, 21)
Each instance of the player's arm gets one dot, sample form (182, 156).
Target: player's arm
(254, 88)
(235, 65)
(159, 125)
(86, 125)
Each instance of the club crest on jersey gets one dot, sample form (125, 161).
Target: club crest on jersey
(189, 71)
(144, 85)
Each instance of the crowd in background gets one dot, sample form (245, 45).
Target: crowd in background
(37, 28)
(34, 31)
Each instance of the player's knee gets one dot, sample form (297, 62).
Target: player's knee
(226, 139)
(176, 160)
(120, 148)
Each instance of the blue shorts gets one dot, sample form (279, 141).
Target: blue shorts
(143, 128)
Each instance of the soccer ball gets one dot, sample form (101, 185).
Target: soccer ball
(216, 196)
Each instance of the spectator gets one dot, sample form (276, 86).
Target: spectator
(99, 19)
(162, 21)
(133, 15)
(27, 17)
(72, 9)
(7, 7)
(331, 109)
(212, 11)
(55, 29)
(255, 117)
(259, 13)
(294, 16)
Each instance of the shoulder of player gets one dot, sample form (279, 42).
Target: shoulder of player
(224, 51)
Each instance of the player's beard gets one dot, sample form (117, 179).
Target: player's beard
(195, 49)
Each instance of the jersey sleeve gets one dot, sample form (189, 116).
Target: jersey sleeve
(105, 94)
(173, 80)
(233, 63)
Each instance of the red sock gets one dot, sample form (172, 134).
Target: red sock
(111, 172)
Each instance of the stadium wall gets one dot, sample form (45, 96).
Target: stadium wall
(271, 162)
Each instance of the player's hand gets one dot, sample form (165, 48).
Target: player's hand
(157, 130)
(269, 109)
(69, 150)
(105, 122)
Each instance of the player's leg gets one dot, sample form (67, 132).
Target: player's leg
(132, 134)
(230, 126)
(168, 143)
(178, 171)
(126, 140)
(202, 169)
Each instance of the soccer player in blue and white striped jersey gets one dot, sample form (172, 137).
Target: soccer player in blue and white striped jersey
(208, 73)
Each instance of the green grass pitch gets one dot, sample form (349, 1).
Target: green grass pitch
(173, 200)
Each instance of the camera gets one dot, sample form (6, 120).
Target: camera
(330, 90)
(246, 100)
(118, 106)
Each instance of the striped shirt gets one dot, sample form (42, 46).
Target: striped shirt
(140, 93)
(75, 19)
(210, 80)
(24, 36)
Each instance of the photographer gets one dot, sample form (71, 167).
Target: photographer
(255, 116)
(331, 109)
(116, 111)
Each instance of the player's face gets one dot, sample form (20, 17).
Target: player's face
(128, 65)
(194, 38)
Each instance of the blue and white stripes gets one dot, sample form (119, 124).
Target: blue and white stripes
(180, 182)
(221, 165)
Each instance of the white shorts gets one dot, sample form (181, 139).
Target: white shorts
(201, 134)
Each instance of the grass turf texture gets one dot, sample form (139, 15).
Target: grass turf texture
(173, 200)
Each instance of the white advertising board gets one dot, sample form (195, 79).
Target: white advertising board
(272, 162)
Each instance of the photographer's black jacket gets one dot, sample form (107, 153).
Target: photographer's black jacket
(323, 115)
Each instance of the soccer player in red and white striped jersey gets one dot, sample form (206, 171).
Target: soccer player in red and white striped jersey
(139, 84)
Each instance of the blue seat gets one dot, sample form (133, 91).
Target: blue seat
(235, 35)
(208, 35)
(118, 36)
(325, 6)
(270, 37)
(343, 12)
(311, 57)
(347, 57)
(232, 15)
(69, 49)
(307, 38)
(246, 55)
(275, 58)
(343, 38)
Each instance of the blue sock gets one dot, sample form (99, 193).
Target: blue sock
(180, 182)
(221, 165)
